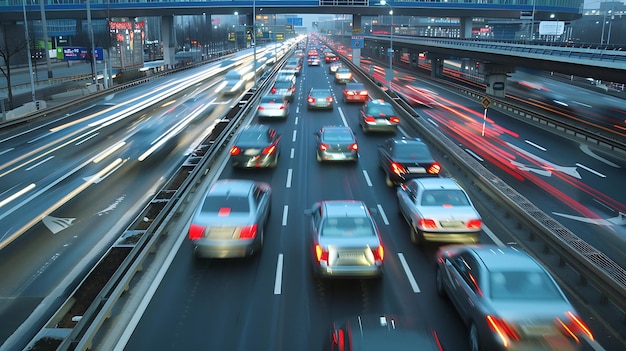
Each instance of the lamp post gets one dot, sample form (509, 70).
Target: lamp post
(389, 76)
(254, 41)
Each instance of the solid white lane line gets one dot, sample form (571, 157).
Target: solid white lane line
(343, 118)
(493, 237)
(17, 194)
(279, 275)
(289, 171)
(7, 150)
(285, 212)
(38, 163)
(367, 178)
(590, 170)
(474, 155)
(382, 214)
(293, 138)
(409, 274)
(535, 145)
(293, 151)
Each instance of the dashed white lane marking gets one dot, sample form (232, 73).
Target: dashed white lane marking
(293, 138)
(289, 171)
(293, 151)
(367, 178)
(382, 214)
(535, 145)
(474, 155)
(409, 274)
(285, 212)
(591, 170)
(279, 276)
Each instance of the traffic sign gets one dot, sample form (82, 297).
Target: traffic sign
(486, 101)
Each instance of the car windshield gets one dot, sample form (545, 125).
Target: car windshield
(224, 205)
(520, 285)
(445, 198)
(346, 227)
(380, 110)
(252, 136)
(337, 135)
(343, 70)
(411, 151)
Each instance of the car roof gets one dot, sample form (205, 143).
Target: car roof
(237, 187)
(320, 90)
(403, 140)
(345, 208)
(372, 332)
(378, 102)
(504, 258)
(434, 183)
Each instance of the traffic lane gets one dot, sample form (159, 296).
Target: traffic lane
(572, 182)
(62, 243)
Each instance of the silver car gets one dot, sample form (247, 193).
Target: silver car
(439, 210)
(271, 106)
(230, 219)
(336, 143)
(319, 98)
(344, 240)
(507, 299)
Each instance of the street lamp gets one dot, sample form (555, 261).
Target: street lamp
(389, 76)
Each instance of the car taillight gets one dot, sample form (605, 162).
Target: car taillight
(269, 150)
(474, 224)
(435, 168)
(394, 119)
(321, 254)
(311, 100)
(397, 168)
(324, 147)
(370, 119)
(248, 232)
(379, 253)
(282, 107)
(354, 147)
(273, 90)
(195, 231)
(329, 99)
(363, 93)
(349, 92)
(502, 329)
(293, 89)
(235, 150)
(427, 223)
(574, 326)
(260, 108)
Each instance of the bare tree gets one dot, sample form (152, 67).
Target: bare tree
(11, 45)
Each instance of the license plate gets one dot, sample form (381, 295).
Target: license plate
(220, 233)
(537, 330)
(451, 224)
(251, 152)
(350, 255)
(416, 169)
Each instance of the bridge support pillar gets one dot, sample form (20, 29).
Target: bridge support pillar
(495, 77)
(466, 27)
(356, 31)
(436, 65)
(169, 41)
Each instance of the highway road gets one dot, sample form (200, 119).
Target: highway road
(77, 207)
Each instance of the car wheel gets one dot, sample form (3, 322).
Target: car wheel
(439, 282)
(474, 343)
(415, 236)
(388, 181)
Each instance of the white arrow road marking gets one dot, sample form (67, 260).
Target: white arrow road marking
(523, 167)
(56, 224)
(549, 166)
(587, 150)
(619, 220)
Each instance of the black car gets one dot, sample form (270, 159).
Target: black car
(383, 332)
(379, 116)
(404, 158)
(255, 146)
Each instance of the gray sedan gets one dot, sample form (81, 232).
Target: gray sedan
(230, 219)
(336, 143)
(272, 106)
(438, 209)
(508, 300)
(344, 240)
(319, 98)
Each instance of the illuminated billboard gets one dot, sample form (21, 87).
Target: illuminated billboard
(127, 39)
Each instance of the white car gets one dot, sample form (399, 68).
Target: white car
(438, 210)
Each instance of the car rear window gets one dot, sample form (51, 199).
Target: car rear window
(417, 151)
(226, 204)
(268, 99)
(253, 136)
(521, 285)
(282, 84)
(346, 227)
(337, 135)
(444, 197)
(381, 110)
(355, 86)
